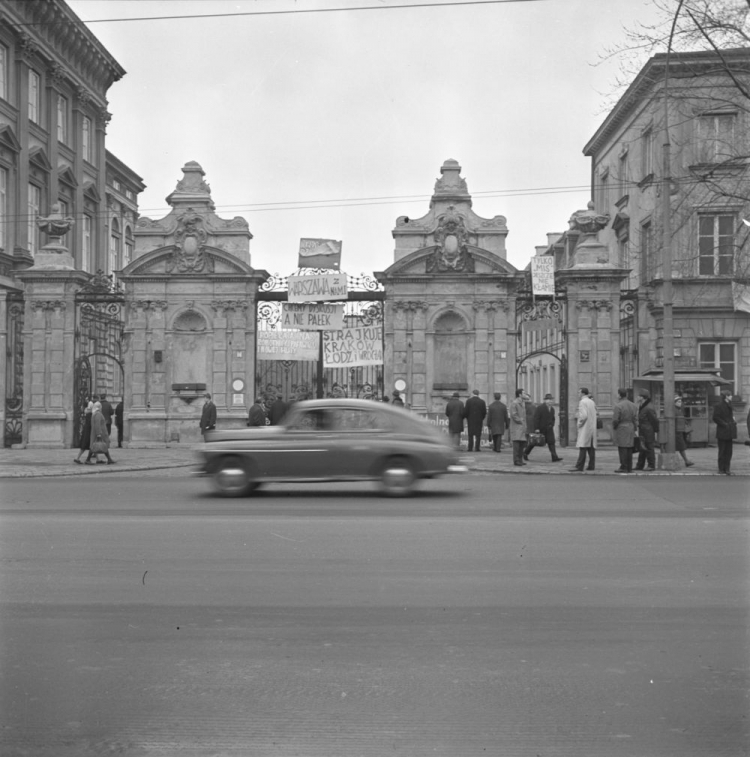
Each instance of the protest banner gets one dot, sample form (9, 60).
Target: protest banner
(288, 345)
(319, 253)
(543, 275)
(317, 287)
(361, 345)
(322, 316)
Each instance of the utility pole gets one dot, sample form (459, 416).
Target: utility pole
(669, 458)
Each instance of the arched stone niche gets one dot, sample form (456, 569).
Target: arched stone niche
(190, 348)
(450, 342)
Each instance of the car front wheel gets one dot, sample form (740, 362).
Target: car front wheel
(398, 477)
(230, 478)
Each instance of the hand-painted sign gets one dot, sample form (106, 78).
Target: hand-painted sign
(543, 275)
(319, 253)
(319, 316)
(288, 345)
(362, 345)
(317, 287)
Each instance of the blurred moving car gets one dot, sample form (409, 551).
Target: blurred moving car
(330, 440)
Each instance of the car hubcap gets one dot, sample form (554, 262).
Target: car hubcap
(231, 479)
(397, 479)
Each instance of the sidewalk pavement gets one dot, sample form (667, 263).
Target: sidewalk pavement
(21, 463)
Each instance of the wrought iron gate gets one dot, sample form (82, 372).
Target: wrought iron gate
(304, 379)
(542, 344)
(13, 432)
(98, 345)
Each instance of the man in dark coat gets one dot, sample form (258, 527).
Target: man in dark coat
(278, 411)
(497, 421)
(544, 423)
(726, 430)
(397, 401)
(119, 422)
(107, 412)
(208, 416)
(455, 412)
(257, 415)
(648, 428)
(475, 412)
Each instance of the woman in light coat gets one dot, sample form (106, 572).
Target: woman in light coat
(624, 422)
(518, 427)
(85, 445)
(99, 434)
(586, 439)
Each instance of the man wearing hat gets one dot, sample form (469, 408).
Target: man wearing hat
(726, 430)
(544, 423)
(455, 412)
(648, 427)
(497, 421)
(475, 410)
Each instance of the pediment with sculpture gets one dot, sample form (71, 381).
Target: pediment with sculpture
(474, 261)
(191, 260)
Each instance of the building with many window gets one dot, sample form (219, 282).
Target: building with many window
(706, 107)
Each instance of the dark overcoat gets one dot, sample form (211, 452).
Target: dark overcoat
(624, 421)
(497, 418)
(723, 417)
(475, 411)
(455, 412)
(208, 416)
(648, 423)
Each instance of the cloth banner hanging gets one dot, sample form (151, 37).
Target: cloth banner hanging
(362, 345)
(288, 345)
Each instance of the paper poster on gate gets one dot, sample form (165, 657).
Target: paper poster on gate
(543, 275)
(312, 316)
(317, 287)
(362, 345)
(288, 345)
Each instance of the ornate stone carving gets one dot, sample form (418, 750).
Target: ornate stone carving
(104, 117)
(410, 306)
(226, 305)
(27, 46)
(189, 255)
(57, 74)
(83, 95)
(47, 305)
(55, 224)
(154, 305)
(451, 238)
(588, 221)
(604, 305)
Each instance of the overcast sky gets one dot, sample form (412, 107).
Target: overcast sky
(333, 124)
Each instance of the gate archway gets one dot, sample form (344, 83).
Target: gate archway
(98, 363)
(302, 379)
(542, 352)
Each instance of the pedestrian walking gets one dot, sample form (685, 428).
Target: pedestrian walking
(518, 427)
(726, 430)
(119, 408)
(208, 415)
(454, 410)
(277, 411)
(586, 440)
(99, 437)
(530, 410)
(624, 423)
(85, 443)
(475, 412)
(681, 430)
(107, 411)
(497, 421)
(257, 415)
(544, 424)
(648, 427)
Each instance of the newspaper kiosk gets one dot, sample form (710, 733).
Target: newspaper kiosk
(698, 387)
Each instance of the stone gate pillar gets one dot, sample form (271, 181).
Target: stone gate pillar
(593, 326)
(50, 286)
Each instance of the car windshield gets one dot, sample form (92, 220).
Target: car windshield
(340, 419)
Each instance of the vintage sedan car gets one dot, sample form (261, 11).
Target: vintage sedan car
(330, 440)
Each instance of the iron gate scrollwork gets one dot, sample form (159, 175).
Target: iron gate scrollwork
(303, 379)
(13, 432)
(98, 344)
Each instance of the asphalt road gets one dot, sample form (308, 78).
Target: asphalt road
(490, 615)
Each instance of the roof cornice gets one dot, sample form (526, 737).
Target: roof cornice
(681, 65)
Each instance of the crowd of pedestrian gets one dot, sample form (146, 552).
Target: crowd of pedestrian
(95, 436)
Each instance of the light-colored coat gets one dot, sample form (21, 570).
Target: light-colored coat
(586, 423)
(518, 420)
(624, 421)
(99, 427)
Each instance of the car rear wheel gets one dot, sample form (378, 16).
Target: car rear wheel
(398, 477)
(231, 479)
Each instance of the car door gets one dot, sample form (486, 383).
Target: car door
(302, 449)
(360, 435)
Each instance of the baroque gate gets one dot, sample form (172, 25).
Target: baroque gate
(98, 345)
(306, 379)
